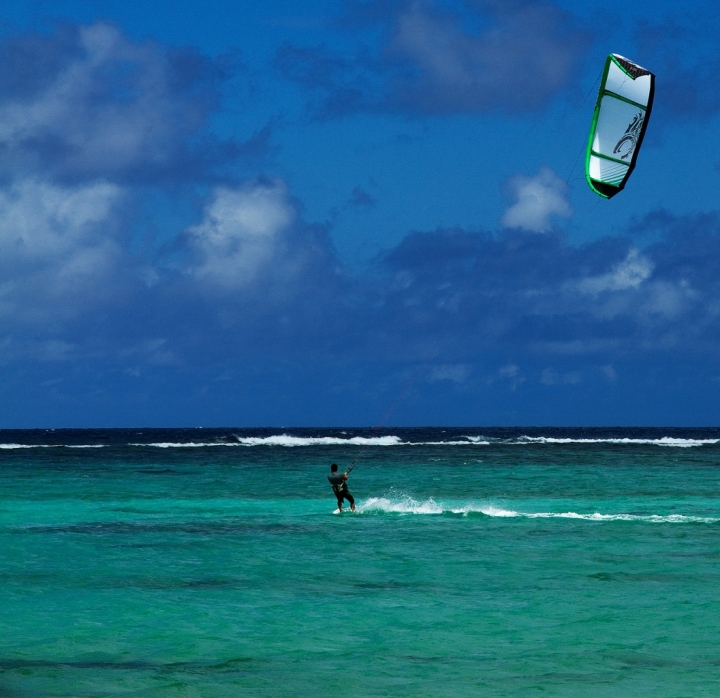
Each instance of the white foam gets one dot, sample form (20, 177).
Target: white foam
(294, 441)
(477, 442)
(407, 505)
(664, 441)
(596, 516)
(401, 505)
(188, 444)
(288, 441)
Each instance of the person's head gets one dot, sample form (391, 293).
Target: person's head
(333, 468)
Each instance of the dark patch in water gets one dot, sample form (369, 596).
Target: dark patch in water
(426, 660)
(647, 577)
(238, 664)
(209, 528)
(160, 471)
(161, 584)
(642, 660)
(568, 676)
(386, 586)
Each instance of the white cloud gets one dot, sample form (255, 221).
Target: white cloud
(57, 247)
(42, 222)
(103, 104)
(537, 199)
(550, 376)
(239, 232)
(610, 372)
(510, 372)
(668, 299)
(518, 61)
(457, 373)
(628, 274)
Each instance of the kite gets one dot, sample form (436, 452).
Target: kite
(619, 122)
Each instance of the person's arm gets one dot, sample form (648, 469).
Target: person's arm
(344, 476)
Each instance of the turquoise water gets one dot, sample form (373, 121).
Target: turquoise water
(481, 563)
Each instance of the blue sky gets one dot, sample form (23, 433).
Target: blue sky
(291, 214)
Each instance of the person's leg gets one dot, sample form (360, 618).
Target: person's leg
(350, 499)
(340, 502)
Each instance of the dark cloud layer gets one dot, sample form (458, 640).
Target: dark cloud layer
(428, 61)
(260, 296)
(87, 102)
(253, 279)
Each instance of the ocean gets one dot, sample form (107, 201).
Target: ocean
(480, 562)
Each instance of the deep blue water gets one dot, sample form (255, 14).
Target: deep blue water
(481, 562)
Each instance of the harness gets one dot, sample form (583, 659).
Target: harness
(338, 484)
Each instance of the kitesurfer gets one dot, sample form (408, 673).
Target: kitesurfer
(339, 485)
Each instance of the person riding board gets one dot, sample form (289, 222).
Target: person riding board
(339, 485)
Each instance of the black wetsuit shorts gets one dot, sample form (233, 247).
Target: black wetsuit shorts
(344, 494)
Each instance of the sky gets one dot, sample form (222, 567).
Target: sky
(353, 212)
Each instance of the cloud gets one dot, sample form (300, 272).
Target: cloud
(252, 284)
(59, 250)
(533, 295)
(86, 102)
(90, 118)
(609, 372)
(239, 232)
(518, 63)
(429, 61)
(537, 199)
(361, 198)
(457, 373)
(550, 376)
(511, 374)
(253, 279)
(629, 273)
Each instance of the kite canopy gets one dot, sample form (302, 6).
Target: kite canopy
(621, 116)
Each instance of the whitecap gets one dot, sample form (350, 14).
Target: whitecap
(187, 444)
(405, 504)
(401, 505)
(294, 441)
(663, 441)
(596, 516)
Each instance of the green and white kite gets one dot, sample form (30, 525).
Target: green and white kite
(621, 116)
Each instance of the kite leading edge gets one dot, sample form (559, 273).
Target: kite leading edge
(621, 116)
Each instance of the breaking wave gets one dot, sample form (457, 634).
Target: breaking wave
(187, 444)
(403, 505)
(288, 441)
(388, 440)
(407, 505)
(291, 441)
(664, 441)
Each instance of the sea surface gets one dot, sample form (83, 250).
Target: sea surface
(480, 562)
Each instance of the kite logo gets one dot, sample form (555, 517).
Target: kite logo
(629, 140)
